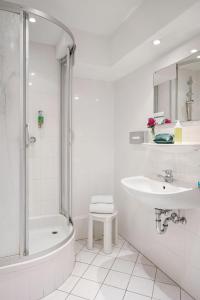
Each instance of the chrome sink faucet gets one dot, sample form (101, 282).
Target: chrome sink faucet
(168, 177)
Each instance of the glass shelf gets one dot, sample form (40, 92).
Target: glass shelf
(174, 147)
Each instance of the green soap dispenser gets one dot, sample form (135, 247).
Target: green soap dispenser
(178, 133)
(40, 118)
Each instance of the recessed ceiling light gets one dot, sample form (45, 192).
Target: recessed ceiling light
(193, 51)
(198, 56)
(76, 98)
(156, 42)
(30, 84)
(32, 20)
(32, 73)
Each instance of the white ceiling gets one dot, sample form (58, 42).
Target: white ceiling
(95, 16)
(114, 37)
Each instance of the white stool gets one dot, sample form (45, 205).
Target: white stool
(108, 234)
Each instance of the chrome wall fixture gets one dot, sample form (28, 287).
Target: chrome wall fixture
(169, 216)
(25, 139)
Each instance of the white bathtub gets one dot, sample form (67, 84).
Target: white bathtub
(50, 262)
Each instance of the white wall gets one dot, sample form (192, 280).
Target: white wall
(44, 154)
(176, 252)
(93, 131)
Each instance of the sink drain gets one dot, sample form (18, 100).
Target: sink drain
(54, 232)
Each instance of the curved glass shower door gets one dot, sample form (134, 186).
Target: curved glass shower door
(47, 120)
(35, 113)
(10, 134)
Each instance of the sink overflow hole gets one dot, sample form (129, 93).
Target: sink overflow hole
(54, 232)
(163, 187)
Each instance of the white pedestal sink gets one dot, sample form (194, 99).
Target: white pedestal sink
(161, 195)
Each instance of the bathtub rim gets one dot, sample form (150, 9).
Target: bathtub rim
(15, 261)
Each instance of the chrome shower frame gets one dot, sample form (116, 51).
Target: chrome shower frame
(24, 12)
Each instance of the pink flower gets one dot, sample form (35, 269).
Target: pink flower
(151, 122)
(167, 121)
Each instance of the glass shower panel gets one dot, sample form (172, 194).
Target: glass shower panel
(43, 109)
(9, 133)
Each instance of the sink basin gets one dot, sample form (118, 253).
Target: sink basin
(158, 194)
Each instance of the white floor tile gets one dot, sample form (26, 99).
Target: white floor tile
(141, 286)
(82, 242)
(128, 254)
(145, 271)
(96, 248)
(103, 261)
(98, 242)
(115, 252)
(72, 297)
(162, 277)
(93, 268)
(120, 242)
(79, 269)
(96, 274)
(134, 296)
(78, 247)
(117, 279)
(143, 260)
(124, 266)
(57, 295)
(86, 289)
(126, 245)
(68, 285)
(85, 257)
(185, 296)
(110, 293)
(164, 291)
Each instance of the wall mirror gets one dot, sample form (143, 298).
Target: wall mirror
(177, 90)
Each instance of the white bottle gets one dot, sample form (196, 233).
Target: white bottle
(178, 133)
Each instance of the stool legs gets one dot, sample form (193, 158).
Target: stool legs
(116, 230)
(90, 233)
(108, 236)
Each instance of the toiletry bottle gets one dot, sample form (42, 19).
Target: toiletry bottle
(178, 133)
(40, 119)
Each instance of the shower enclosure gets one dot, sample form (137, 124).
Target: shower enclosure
(36, 61)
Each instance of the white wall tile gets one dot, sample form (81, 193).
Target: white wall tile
(44, 155)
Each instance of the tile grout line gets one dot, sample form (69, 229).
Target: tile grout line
(176, 284)
(81, 277)
(116, 257)
(154, 283)
(110, 268)
(126, 290)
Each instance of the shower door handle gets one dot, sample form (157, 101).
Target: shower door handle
(32, 140)
(29, 139)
